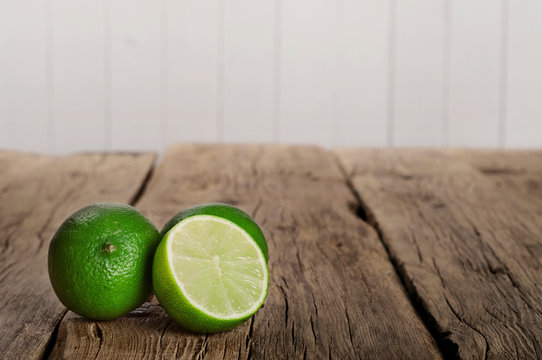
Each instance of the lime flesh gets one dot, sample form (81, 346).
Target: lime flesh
(225, 211)
(215, 274)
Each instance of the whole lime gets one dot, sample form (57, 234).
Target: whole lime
(100, 260)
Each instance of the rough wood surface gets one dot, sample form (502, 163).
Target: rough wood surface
(333, 293)
(470, 254)
(516, 172)
(36, 194)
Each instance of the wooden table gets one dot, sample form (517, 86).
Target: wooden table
(374, 254)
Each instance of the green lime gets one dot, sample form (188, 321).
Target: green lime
(100, 260)
(233, 214)
(209, 272)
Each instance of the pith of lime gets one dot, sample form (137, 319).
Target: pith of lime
(100, 260)
(209, 272)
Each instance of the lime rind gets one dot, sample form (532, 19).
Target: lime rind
(225, 258)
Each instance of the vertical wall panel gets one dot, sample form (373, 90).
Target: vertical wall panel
(192, 70)
(79, 75)
(308, 67)
(524, 92)
(361, 78)
(116, 74)
(24, 107)
(475, 77)
(135, 74)
(419, 72)
(248, 70)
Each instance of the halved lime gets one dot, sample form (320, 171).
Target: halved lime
(209, 274)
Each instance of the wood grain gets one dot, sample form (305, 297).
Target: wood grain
(333, 293)
(516, 172)
(36, 194)
(470, 255)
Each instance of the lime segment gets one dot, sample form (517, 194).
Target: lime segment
(217, 266)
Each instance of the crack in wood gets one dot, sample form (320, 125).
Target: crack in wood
(297, 257)
(349, 325)
(499, 171)
(224, 350)
(177, 350)
(249, 340)
(285, 303)
(447, 347)
(462, 320)
(490, 313)
(293, 336)
(314, 303)
(312, 329)
(52, 339)
(7, 242)
(456, 314)
(249, 354)
(203, 348)
(99, 335)
(162, 334)
(142, 187)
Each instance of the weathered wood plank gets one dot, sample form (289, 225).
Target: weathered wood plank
(36, 194)
(518, 172)
(333, 292)
(495, 162)
(470, 255)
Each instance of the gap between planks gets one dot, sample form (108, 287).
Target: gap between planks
(513, 172)
(365, 214)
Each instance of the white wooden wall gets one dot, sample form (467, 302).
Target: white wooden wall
(141, 74)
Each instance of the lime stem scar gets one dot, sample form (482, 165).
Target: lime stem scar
(108, 248)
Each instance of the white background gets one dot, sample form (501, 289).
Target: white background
(142, 74)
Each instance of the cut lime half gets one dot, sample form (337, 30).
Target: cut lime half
(209, 274)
